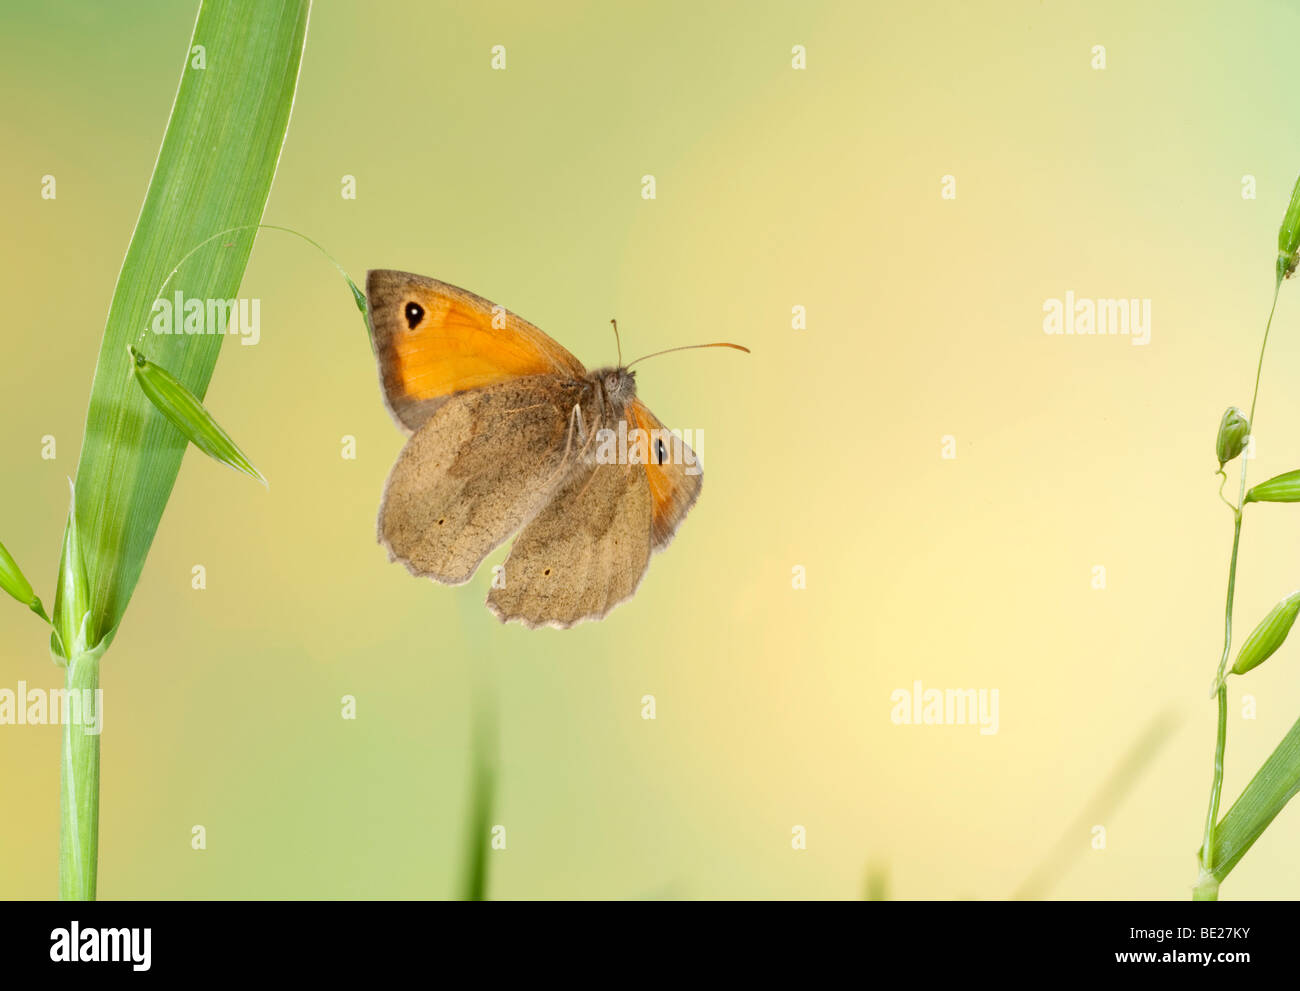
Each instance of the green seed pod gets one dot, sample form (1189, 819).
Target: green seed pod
(13, 581)
(1268, 636)
(358, 296)
(1279, 488)
(183, 409)
(1233, 430)
(1288, 237)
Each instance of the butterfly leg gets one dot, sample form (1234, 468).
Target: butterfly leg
(581, 492)
(574, 422)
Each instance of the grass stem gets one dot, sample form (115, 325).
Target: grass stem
(79, 791)
(1203, 890)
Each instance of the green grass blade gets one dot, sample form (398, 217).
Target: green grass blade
(478, 834)
(876, 884)
(13, 581)
(1276, 782)
(214, 172)
(1100, 807)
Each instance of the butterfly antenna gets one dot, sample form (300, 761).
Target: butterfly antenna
(617, 343)
(691, 347)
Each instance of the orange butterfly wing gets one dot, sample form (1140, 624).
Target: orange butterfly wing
(433, 340)
(675, 481)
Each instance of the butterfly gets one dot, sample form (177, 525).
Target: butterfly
(510, 433)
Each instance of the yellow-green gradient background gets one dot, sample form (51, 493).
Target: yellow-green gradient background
(776, 188)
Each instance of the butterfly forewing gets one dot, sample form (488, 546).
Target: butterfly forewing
(433, 340)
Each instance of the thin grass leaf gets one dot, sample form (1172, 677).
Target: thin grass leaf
(876, 885)
(478, 832)
(1100, 807)
(13, 581)
(213, 173)
(1275, 784)
(183, 409)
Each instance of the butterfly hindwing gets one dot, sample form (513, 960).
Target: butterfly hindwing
(480, 468)
(674, 474)
(584, 553)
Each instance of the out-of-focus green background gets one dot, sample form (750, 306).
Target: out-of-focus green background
(775, 188)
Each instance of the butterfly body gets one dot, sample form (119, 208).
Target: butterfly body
(510, 434)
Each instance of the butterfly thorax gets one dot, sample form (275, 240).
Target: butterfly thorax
(616, 387)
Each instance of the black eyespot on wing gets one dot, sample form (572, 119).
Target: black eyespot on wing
(661, 451)
(414, 314)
